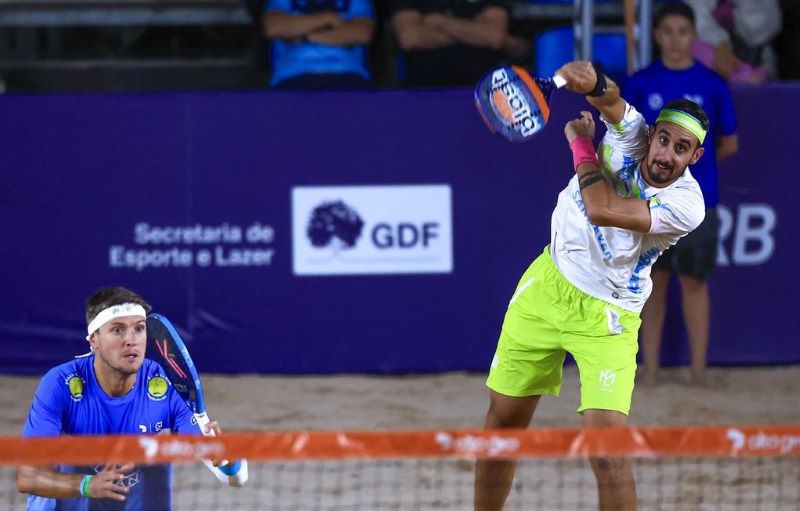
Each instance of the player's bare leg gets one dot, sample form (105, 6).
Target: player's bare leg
(696, 313)
(615, 485)
(493, 478)
(651, 331)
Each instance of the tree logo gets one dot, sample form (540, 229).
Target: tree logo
(334, 222)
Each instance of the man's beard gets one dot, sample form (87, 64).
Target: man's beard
(660, 175)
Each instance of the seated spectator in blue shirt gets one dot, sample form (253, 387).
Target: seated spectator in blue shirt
(319, 44)
(450, 42)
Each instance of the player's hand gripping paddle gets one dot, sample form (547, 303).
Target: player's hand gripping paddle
(165, 345)
(514, 104)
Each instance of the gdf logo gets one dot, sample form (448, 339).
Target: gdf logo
(336, 223)
(404, 234)
(372, 230)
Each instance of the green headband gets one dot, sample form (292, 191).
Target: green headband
(685, 121)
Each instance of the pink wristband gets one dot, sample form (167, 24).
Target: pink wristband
(583, 152)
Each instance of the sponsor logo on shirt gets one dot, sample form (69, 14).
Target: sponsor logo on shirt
(150, 428)
(598, 234)
(157, 388)
(75, 385)
(655, 101)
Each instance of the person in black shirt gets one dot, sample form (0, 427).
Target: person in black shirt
(450, 42)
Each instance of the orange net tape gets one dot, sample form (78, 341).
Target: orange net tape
(727, 441)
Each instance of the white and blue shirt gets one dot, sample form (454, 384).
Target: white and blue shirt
(70, 401)
(611, 263)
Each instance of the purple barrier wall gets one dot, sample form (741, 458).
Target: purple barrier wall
(335, 232)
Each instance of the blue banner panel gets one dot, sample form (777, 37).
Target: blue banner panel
(336, 232)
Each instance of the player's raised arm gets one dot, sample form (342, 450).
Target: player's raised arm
(601, 92)
(604, 206)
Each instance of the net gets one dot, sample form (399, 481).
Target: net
(675, 468)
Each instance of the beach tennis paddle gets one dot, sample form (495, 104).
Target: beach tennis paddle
(165, 346)
(513, 103)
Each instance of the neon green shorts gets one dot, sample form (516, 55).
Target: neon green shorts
(548, 317)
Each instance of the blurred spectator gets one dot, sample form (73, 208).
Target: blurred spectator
(677, 75)
(735, 37)
(319, 44)
(450, 42)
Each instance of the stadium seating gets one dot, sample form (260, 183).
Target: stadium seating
(555, 47)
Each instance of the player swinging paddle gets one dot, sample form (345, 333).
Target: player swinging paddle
(584, 293)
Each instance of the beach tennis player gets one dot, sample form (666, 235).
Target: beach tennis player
(624, 205)
(114, 390)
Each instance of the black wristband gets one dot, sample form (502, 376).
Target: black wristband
(601, 85)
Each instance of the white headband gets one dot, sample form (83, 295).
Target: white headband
(115, 311)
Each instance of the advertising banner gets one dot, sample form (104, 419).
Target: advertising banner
(374, 232)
